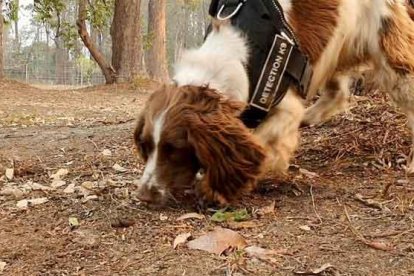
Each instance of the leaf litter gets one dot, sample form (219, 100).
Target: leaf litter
(218, 241)
(191, 216)
(25, 203)
(180, 239)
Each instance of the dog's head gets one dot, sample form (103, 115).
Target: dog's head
(188, 129)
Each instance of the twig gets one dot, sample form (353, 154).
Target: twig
(314, 206)
(369, 202)
(391, 233)
(386, 189)
(96, 146)
(373, 244)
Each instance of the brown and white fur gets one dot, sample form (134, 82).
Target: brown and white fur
(194, 125)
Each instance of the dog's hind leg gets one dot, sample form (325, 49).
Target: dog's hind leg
(397, 74)
(403, 96)
(410, 168)
(333, 100)
(279, 133)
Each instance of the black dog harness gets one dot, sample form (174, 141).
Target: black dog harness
(276, 61)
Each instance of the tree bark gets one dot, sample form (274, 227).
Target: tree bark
(106, 68)
(157, 53)
(127, 51)
(16, 27)
(1, 41)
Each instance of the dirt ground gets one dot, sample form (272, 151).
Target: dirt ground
(347, 201)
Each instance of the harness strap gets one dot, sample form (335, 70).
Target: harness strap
(272, 43)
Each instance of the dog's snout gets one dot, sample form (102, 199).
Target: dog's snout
(149, 193)
(145, 197)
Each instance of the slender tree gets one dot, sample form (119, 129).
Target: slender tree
(16, 24)
(127, 50)
(157, 53)
(1, 40)
(105, 66)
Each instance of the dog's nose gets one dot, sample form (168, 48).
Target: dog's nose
(145, 197)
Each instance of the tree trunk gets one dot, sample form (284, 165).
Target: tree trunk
(16, 27)
(1, 41)
(105, 67)
(127, 52)
(157, 53)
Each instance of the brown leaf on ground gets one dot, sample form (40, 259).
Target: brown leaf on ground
(180, 239)
(268, 209)
(191, 216)
(218, 241)
(25, 203)
(60, 174)
(10, 174)
(379, 245)
(2, 266)
(243, 225)
(308, 174)
(265, 254)
(369, 202)
(317, 271)
(119, 168)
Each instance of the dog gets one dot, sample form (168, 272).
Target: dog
(410, 8)
(189, 133)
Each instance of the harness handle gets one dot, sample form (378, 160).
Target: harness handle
(223, 18)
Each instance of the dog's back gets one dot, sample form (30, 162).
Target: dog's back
(217, 63)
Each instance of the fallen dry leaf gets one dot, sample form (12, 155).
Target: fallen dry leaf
(305, 228)
(36, 186)
(369, 202)
(379, 245)
(57, 183)
(70, 189)
(268, 209)
(73, 222)
(163, 217)
(2, 266)
(308, 174)
(316, 271)
(12, 191)
(190, 216)
(119, 168)
(264, 254)
(180, 239)
(243, 225)
(91, 197)
(106, 152)
(218, 241)
(60, 174)
(10, 174)
(24, 203)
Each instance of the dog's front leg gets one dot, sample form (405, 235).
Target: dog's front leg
(279, 133)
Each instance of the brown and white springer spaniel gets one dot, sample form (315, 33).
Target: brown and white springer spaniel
(191, 130)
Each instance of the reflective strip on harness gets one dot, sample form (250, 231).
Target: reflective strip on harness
(272, 74)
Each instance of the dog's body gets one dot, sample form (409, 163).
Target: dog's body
(201, 112)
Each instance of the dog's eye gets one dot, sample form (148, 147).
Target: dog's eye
(169, 148)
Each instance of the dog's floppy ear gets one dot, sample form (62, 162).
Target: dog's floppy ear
(230, 156)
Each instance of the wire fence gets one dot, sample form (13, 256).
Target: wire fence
(67, 74)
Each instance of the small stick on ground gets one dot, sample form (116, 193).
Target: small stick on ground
(314, 206)
(373, 244)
